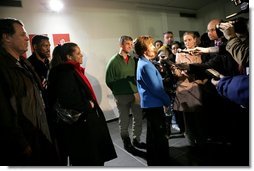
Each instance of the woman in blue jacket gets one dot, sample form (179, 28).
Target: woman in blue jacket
(154, 102)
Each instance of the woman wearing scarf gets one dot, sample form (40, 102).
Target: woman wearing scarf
(76, 118)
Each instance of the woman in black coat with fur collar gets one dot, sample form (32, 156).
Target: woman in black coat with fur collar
(76, 119)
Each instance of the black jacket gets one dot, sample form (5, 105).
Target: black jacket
(23, 120)
(86, 141)
(40, 67)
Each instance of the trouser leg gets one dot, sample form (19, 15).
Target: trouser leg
(157, 143)
(124, 111)
(180, 120)
(137, 121)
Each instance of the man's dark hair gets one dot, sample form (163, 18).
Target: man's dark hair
(36, 40)
(176, 43)
(158, 41)
(124, 38)
(6, 26)
(168, 32)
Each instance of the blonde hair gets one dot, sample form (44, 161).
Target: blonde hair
(189, 33)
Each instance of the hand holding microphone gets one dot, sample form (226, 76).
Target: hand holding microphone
(179, 50)
(215, 82)
(194, 51)
(200, 50)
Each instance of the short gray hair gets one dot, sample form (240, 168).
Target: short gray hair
(124, 38)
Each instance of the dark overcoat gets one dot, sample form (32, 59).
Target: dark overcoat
(86, 141)
(23, 119)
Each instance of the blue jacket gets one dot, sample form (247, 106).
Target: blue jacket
(150, 85)
(235, 88)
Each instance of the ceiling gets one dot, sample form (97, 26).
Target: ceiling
(169, 4)
(178, 4)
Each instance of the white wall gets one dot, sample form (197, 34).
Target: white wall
(97, 27)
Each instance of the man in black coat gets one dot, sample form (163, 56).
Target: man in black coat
(40, 56)
(40, 61)
(25, 136)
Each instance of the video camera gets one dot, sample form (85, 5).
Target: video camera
(244, 6)
(239, 23)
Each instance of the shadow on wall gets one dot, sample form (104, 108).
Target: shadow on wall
(109, 114)
(96, 86)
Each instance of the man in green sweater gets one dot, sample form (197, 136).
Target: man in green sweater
(120, 78)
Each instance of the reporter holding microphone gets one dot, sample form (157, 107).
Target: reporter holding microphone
(237, 34)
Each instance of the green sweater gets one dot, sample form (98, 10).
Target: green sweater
(120, 76)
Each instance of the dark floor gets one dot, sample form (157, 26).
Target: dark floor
(214, 153)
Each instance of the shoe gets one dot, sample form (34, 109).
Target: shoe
(137, 144)
(130, 149)
(128, 146)
(175, 127)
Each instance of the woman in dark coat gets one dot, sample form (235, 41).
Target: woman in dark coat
(75, 117)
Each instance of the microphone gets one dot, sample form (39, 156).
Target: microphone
(182, 51)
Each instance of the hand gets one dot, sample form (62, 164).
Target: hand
(216, 82)
(28, 151)
(161, 68)
(92, 104)
(44, 83)
(166, 109)
(182, 66)
(228, 30)
(136, 98)
(184, 73)
(173, 67)
(199, 50)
